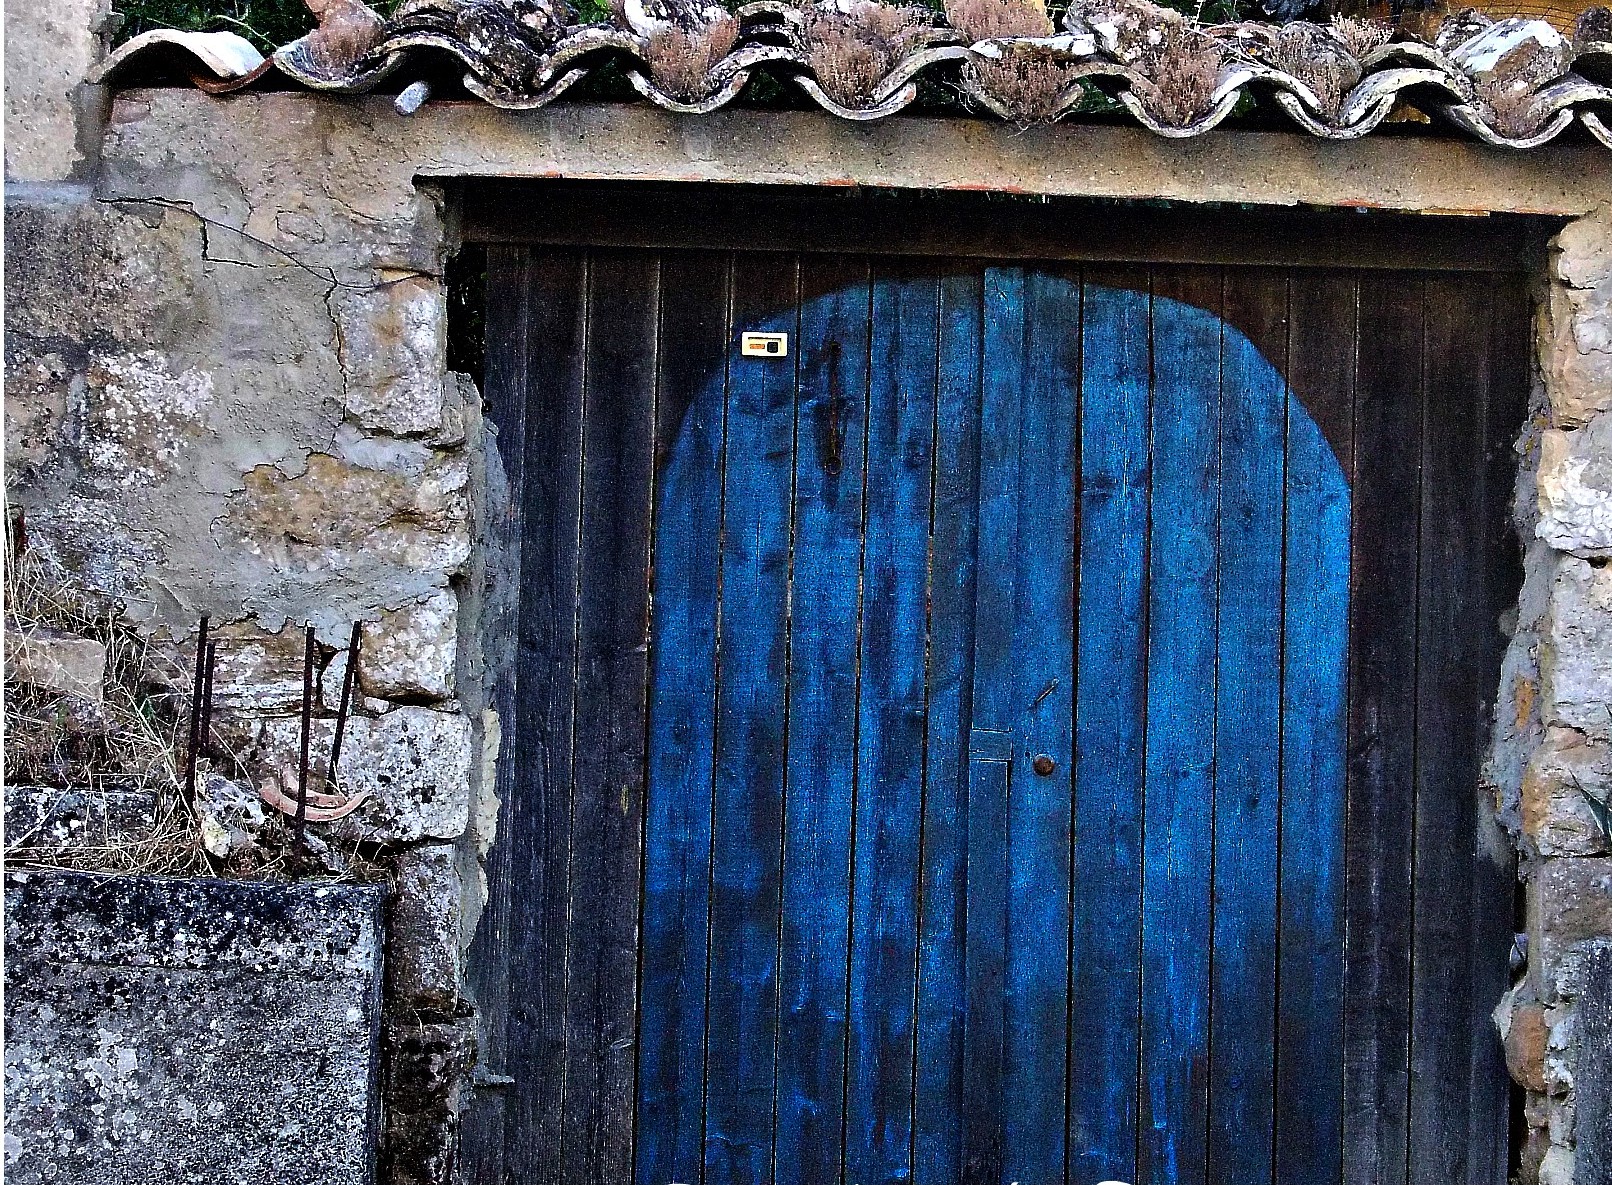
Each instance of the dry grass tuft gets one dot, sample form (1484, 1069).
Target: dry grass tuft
(986, 20)
(852, 47)
(129, 740)
(680, 59)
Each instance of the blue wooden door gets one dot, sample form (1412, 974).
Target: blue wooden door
(980, 712)
(1011, 736)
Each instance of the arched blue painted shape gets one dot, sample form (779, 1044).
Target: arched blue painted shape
(994, 517)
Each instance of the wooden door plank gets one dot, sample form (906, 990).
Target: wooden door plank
(1382, 729)
(1495, 890)
(612, 668)
(1247, 730)
(741, 1033)
(695, 333)
(1110, 710)
(891, 732)
(938, 1101)
(1039, 804)
(1449, 732)
(543, 736)
(1179, 790)
(990, 736)
(1315, 667)
(830, 429)
(507, 301)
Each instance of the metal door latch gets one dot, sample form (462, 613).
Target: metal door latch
(764, 345)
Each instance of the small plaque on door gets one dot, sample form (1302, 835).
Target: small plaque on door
(764, 345)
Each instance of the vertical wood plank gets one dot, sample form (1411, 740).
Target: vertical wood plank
(830, 429)
(890, 735)
(1382, 728)
(941, 1068)
(504, 385)
(1247, 730)
(543, 738)
(990, 736)
(1592, 1073)
(742, 1021)
(694, 332)
(1110, 709)
(1315, 660)
(1180, 726)
(612, 666)
(1039, 803)
(1495, 890)
(1449, 729)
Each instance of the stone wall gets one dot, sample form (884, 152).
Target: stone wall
(1552, 759)
(227, 394)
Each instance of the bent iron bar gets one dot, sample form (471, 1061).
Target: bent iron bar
(196, 693)
(348, 681)
(307, 728)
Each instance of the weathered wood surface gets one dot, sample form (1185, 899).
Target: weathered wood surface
(1017, 736)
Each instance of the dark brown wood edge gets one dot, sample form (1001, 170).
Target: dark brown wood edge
(910, 222)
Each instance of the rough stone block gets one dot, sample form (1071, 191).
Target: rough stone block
(339, 512)
(393, 355)
(49, 51)
(1576, 338)
(1567, 795)
(231, 816)
(1576, 662)
(423, 965)
(410, 652)
(427, 1067)
(43, 820)
(413, 762)
(1570, 907)
(1575, 488)
(190, 1030)
(54, 661)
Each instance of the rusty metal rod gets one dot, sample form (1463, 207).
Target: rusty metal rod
(196, 710)
(206, 737)
(307, 729)
(349, 679)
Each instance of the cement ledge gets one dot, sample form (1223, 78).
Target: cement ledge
(637, 141)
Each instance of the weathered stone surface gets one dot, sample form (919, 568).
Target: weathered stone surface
(190, 1031)
(1527, 1034)
(43, 820)
(1575, 488)
(427, 1068)
(256, 670)
(1567, 795)
(49, 51)
(336, 513)
(56, 661)
(409, 654)
(1576, 662)
(414, 763)
(394, 355)
(1570, 906)
(1576, 329)
(231, 816)
(423, 965)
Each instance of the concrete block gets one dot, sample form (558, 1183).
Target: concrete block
(190, 1030)
(42, 820)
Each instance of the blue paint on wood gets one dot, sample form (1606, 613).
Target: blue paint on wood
(677, 856)
(1179, 787)
(830, 429)
(912, 948)
(991, 735)
(941, 1072)
(742, 1024)
(1247, 739)
(890, 742)
(1109, 724)
(1039, 806)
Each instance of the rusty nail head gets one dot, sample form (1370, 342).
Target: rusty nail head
(1043, 764)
